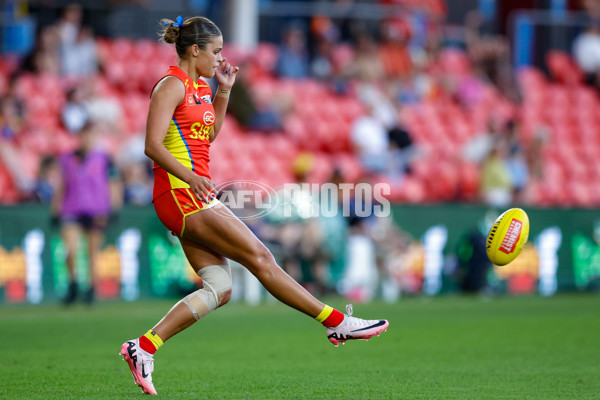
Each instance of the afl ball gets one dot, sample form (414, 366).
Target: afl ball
(507, 236)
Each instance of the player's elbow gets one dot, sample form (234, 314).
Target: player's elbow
(151, 150)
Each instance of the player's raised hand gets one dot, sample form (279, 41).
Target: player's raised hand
(226, 74)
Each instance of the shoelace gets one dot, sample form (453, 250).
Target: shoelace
(353, 320)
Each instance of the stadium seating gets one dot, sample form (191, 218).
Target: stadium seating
(320, 123)
(563, 68)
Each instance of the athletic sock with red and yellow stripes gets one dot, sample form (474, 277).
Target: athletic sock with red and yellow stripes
(150, 342)
(330, 317)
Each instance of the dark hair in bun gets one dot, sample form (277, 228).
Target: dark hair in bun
(195, 30)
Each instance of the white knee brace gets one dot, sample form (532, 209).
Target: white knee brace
(216, 280)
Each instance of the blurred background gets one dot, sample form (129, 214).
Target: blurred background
(463, 109)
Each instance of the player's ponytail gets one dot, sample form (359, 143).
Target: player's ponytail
(170, 32)
(195, 30)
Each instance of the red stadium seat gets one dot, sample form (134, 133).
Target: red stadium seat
(411, 190)
(122, 48)
(444, 185)
(282, 147)
(563, 68)
(349, 165)
(8, 192)
(531, 79)
(455, 62)
(265, 57)
(321, 169)
(145, 49)
(468, 174)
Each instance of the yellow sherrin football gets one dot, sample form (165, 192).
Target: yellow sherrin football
(507, 236)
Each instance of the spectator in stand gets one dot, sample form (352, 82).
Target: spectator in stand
(402, 149)
(83, 202)
(69, 24)
(253, 111)
(419, 84)
(45, 57)
(78, 52)
(324, 35)
(534, 154)
(586, 50)
(136, 170)
(80, 58)
(47, 180)
(85, 104)
(293, 59)
(106, 113)
(137, 183)
(370, 140)
(11, 128)
(372, 89)
(519, 173)
(393, 49)
(366, 65)
(74, 113)
(383, 107)
(490, 55)
(481, 144)
(496, 184)
(321, 67)
(592, 7)
(12, 112)
(516, 160)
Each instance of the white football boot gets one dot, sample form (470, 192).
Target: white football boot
(355, 328)
(140, 363)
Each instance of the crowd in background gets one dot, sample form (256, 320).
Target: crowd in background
(389, 64)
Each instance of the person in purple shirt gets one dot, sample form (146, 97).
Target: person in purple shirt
(82, 205)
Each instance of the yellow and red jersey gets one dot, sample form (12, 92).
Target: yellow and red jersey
(188, 137)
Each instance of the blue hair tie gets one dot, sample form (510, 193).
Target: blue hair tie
(178, 23)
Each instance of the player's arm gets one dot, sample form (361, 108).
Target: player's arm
(225, 75)
(167, 95)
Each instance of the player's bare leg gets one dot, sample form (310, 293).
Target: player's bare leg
(224, 233)
(180, 317)
(216, 291)
(218, 228)
(95, 240)
(70, 233)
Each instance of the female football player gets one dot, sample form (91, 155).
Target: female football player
(184, 118)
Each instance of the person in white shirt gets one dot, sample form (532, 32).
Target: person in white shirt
(586, 51)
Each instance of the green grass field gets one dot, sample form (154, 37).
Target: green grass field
(442, 348)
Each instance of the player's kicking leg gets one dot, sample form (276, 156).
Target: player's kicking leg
(233, 239)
